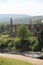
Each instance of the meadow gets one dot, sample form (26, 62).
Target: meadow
(7, 61)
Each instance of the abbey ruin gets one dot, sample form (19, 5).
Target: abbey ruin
(34, 28)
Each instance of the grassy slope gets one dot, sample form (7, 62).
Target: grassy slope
(6, 61)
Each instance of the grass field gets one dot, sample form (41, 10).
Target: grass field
(6, 61)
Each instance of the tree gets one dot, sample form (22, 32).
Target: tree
(4, 29)
(23, 32)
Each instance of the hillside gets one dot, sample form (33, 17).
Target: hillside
(19, 18)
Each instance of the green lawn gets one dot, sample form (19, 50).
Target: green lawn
(6, 61)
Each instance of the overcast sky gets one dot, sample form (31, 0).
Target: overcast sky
(29, 7)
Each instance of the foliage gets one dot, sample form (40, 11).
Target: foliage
(32, 42)
(23, 32)
(4, 29)
(6, 43)
(23, 40)
(17, 43)
(12, 43)
(40, 36)
(40, 39)
(42, 50)
(35, 46)
(24, 45)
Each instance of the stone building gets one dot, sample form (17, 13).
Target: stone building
(34, 27)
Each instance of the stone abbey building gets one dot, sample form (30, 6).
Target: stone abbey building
(34, 28)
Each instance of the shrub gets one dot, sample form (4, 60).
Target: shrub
(42, 50)
(17, 43)
(40, 39)
(24, 45)
(35, 46)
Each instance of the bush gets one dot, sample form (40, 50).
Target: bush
(24, 45)
(32, 42)
(17, 43)
(40, 39)
(42, 50)
(35, 46)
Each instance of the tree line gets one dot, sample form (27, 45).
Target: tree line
(24, 41)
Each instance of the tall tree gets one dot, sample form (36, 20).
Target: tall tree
(23, 32)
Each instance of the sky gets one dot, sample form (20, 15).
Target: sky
(29, 7)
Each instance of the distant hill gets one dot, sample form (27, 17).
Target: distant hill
(19, 18)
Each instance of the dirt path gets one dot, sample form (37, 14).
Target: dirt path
(20, 57)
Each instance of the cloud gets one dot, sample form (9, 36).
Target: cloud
(30, 7)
